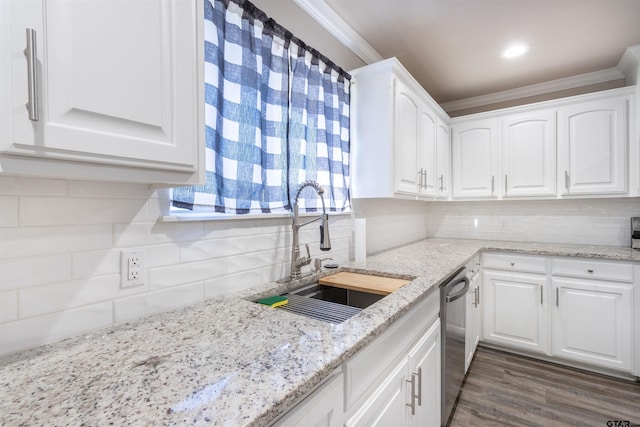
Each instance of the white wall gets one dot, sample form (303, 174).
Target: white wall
(60, 244)
(594, 222)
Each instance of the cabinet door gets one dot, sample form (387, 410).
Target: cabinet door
(323, 408)
(407, 169)
(514, 310)
(474, 159)
(387, 406)
(529, 154)
(117, 82)
(428, 136)
(443, 160)
(592, 322)
(474, 319)
(592, 147)
(425, 368)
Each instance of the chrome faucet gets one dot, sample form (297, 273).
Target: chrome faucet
(297, 261)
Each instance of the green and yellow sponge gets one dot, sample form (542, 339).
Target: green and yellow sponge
(274, 301)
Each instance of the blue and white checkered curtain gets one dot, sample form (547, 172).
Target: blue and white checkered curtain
(318, 130)
(275, 116)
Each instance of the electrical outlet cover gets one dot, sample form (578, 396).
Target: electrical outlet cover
(132, 271)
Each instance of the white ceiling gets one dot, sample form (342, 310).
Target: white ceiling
(452, 47)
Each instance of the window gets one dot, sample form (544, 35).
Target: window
(276, 114)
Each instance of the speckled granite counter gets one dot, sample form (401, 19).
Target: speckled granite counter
(227, 362)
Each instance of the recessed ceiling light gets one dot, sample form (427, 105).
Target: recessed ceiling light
(515, 51)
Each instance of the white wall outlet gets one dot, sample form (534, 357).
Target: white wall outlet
(132, 268)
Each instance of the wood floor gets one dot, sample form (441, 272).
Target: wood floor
(502, 389)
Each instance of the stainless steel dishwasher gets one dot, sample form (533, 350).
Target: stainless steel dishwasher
(453, 324)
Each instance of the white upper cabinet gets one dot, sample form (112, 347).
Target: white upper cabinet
(443, 162)
(407, 122)
(404, 145)
(118, 85)
(394, 131)
(429, 151)
(474, 147)
(529, 154)
(592, 147)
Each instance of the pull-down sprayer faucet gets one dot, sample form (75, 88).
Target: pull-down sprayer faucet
(297, 261)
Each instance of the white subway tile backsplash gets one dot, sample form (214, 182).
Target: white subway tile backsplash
(154, 233)
(71, 210)
(232, 228)
(232, 283)
(180, 274)
(95, 263)
(582, 221)
(110, 190)
(8, 306)
(35, 331)
(30, 241)
(60, 244)
(157, 301)
(9, 211)
(212, 248)
(22, 186)
(24, 272)
(162, 255)
(238, 263)
(265, 242)
(38, 300)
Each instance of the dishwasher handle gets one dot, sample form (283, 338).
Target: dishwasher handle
(451, 298)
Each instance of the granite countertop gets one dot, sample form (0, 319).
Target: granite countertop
(228, 361)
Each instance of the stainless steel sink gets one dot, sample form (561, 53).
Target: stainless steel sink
(327, 303)
(358, 299)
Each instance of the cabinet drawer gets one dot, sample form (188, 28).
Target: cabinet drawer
(591, 269)
(521, 263)
(364, 370)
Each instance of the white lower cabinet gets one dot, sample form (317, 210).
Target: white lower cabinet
(323, 408)
(410, 394)
(514, 310)
(473, 318)
(587, 315)
(394, 381)
(387, 405)
(592, 319)
(424, 366)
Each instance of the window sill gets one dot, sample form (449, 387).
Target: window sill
(222, 217)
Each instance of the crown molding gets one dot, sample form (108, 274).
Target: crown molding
(535, 89)
(338, 27)
(629, 64)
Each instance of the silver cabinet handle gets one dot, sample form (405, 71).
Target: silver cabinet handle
(541, 295)
(412, 405)
(566, 180)
(493, 181)
(31, 52)
(505, 183)
(423, 178)
(441, 183)
(419, 386)
(476, 299)
(557, 297)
